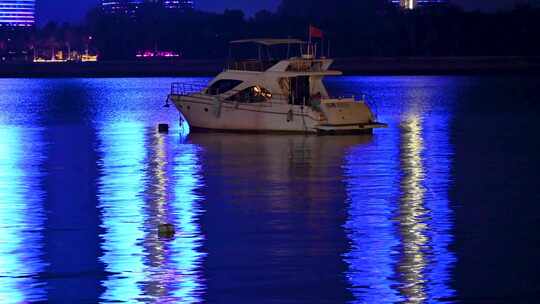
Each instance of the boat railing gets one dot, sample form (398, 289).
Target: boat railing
(305, 65)
(187, 88)
(296, 65)
(250, 65)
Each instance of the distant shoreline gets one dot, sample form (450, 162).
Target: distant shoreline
(350, 66)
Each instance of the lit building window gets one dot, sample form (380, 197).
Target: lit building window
(17, 12)
(130, 7)
(412, 4)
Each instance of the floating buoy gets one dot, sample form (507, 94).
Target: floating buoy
(166, 230)
(163, 128)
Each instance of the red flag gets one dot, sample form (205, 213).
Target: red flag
(315, 32)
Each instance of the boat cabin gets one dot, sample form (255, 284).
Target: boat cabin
(284, 70)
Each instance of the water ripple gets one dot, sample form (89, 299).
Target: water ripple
(21, 215)
(148, 180)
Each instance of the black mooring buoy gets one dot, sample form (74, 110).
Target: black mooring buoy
(166, 230)
(163, 128)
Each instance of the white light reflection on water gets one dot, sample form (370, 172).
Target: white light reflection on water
(149, 179)
(172, 266)
(425, 219)
(413, 214)
(21, 215)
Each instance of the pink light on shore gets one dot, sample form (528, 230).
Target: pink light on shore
(157, 54)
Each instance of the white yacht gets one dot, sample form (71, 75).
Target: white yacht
(267, 95)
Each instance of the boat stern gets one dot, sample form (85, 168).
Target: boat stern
(347, 116)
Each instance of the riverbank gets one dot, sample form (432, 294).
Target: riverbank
(350, 66)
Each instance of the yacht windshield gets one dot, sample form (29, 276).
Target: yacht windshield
(252, 95)
(223, 86)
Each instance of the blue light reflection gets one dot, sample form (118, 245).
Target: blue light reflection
(188, 256)
(21, 215)
(121, 204)
(425, 218)
(438, 162)
(400, 221)
(149, 179)
(372, 179)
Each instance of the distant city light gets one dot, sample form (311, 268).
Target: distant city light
(157, 54)
(130, 7)
(178, 4)
(412, 4)
(62, 57)
(89, 58)
(17, 12)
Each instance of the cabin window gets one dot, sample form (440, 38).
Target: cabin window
(252, 95)
(223, 86)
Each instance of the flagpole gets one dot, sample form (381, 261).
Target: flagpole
(309, 44)
(329, 48)
(322, 47)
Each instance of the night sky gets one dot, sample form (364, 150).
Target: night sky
(74, 11)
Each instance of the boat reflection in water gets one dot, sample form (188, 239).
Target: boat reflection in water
(146, 182)
(21, 215)
(400, 220)
(276, 212)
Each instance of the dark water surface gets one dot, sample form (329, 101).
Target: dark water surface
(443, 206)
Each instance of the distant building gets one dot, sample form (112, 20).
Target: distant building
(179, 4)
(17, 12)
(127, 7)
(412, 4)
(130, 7)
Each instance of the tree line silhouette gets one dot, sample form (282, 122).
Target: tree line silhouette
(353, 28)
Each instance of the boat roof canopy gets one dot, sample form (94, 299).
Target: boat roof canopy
(269, 42)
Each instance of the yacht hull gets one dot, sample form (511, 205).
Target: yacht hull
(209, 114)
